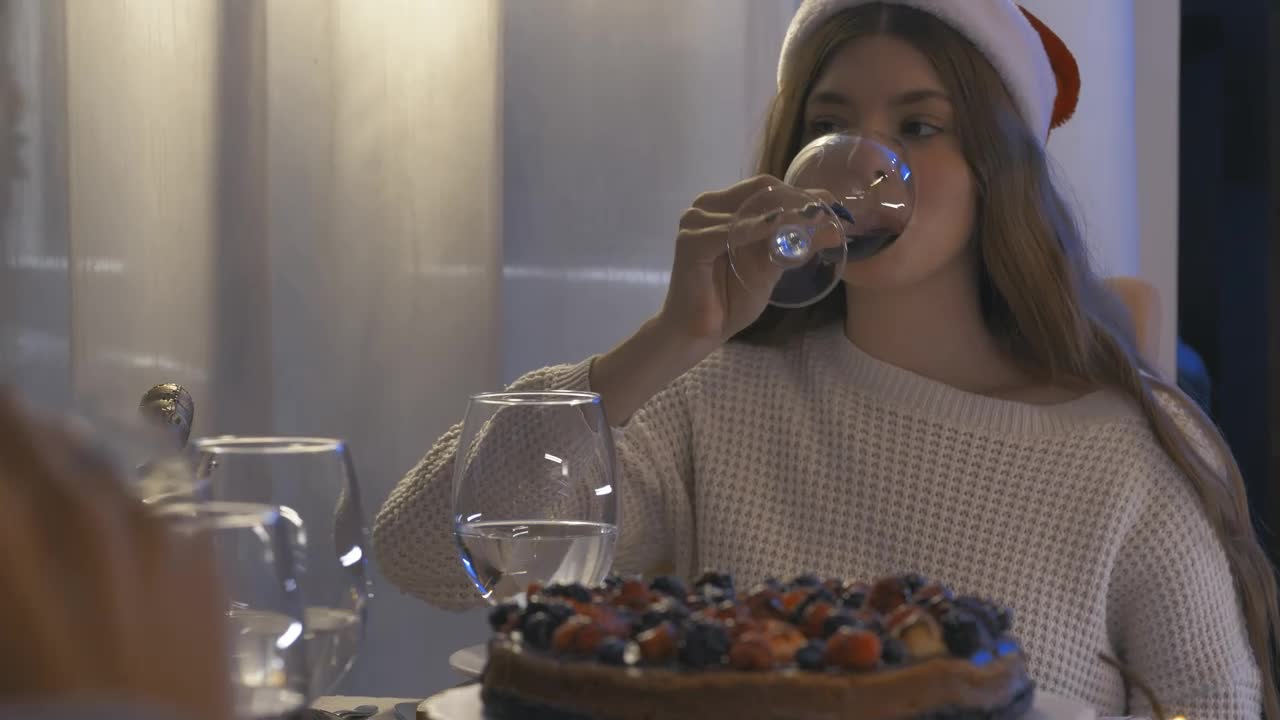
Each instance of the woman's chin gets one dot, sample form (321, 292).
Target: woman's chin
(882, 271)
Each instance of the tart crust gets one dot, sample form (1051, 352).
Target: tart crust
(537, 686)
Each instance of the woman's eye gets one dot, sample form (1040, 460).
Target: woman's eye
(919, 129)
(824, 127)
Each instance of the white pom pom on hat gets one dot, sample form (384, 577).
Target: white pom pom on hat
(1037, 67)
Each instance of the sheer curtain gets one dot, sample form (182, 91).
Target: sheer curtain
(342, 217)
(616, 115)
(249, 198)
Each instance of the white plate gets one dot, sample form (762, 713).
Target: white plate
(461, 703)
(469, 661)
(464, 704)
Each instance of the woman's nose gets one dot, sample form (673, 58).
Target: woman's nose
(881, 127)
(873, 164)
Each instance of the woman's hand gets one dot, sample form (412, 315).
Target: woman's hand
(709, 300)
(708, 303)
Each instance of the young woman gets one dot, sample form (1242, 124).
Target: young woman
(969, 405)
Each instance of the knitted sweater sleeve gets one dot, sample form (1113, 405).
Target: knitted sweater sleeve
(1172, 603)
(413, 532)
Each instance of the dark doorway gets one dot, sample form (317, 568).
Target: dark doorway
(1229, 230)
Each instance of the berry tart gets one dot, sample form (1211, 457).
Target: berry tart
(899, 648)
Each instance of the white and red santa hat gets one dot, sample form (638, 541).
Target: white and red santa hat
(1037, 67)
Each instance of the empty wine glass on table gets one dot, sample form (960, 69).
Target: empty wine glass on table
(258, 551)
(534, 492)
(845, 197)
(314, 480)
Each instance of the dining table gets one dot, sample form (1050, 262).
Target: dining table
(386, 708)
(386, 705)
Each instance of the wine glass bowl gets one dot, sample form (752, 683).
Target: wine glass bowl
(258, 551)
(845, 197)
(312, 479)
(802, 250)
(534, 496)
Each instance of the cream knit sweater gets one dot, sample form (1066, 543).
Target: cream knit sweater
(818, 457)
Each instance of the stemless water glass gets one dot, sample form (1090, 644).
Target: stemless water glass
(314, 479)
(534, 494)
(258, 553)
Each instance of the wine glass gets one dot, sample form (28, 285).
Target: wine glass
(312, 479)
(846, 196)
(258, 551)
(534, 493)
(153, 457)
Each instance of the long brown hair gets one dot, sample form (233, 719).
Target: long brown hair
(1039, 296)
